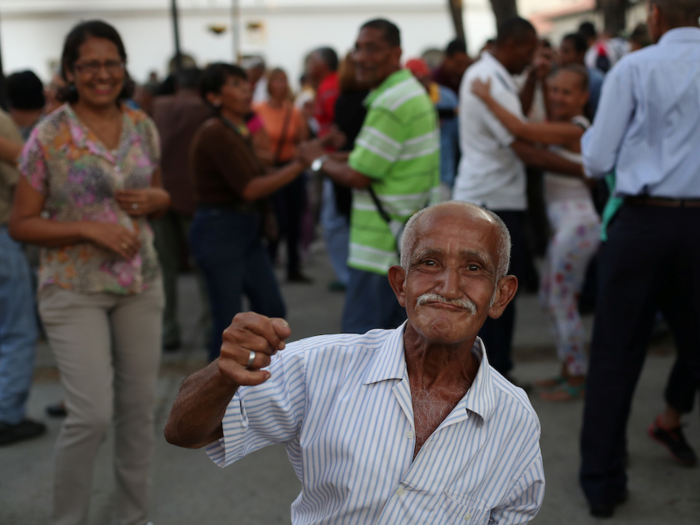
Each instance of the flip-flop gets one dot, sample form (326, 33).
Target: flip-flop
(565, 393)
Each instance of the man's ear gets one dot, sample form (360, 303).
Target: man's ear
(397, 280)
(505, 291)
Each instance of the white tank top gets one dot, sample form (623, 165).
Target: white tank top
(564, 187)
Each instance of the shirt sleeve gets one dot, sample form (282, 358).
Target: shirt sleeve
(378, 145)
(601, 144)
(525, 499)
(266, 414)
(512, 103)
(8, 130)
(32, 163)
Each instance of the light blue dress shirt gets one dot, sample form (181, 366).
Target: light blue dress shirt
(342, 405)
(647, 126)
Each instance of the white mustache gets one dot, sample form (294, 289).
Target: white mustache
(466, 304)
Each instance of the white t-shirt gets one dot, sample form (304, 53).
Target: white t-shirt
(490, 173)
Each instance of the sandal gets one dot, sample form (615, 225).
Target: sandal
(552, 382)
(565, 393)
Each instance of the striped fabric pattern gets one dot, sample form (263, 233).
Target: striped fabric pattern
(399, 148)
(646, 127)
(342, 405)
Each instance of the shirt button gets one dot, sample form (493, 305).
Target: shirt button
(467, 516)
(400, 491)
(409, 434)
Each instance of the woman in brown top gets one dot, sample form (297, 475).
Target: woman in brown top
(229, 180)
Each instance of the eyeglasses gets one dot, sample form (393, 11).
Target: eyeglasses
(95, 66)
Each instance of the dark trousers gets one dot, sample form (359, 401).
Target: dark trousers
(289, 204)
(651, 261)
(497, 334)
(681, 388)
(226, 246)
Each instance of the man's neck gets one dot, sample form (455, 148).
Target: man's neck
(439, 365)
(391, 72)
(499, 55)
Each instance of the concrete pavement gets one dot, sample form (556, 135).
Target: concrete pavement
(188, 489)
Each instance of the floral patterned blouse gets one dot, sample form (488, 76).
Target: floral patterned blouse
(78, 176)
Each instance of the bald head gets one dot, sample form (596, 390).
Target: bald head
(419, 225)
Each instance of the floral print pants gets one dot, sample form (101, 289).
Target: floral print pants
(576, 236)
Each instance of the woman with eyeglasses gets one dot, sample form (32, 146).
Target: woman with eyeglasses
(90, 183)
(231, 184)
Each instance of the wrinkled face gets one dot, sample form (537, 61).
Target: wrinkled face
(99, 72)
(567, 97)
(278, 86)
(374, 58)
(455, 258)
(235, 96)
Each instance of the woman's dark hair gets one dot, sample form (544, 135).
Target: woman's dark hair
(214, 77)
(71, 54)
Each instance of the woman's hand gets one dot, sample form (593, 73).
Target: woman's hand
(147, 201)
(114, 237)
(481, 88)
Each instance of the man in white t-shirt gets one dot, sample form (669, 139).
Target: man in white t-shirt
(492, 168)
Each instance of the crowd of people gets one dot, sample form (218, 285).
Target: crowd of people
(214, 169)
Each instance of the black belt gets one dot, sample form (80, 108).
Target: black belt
(662, 201)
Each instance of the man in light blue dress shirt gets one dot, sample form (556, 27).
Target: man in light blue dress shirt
(646, 130)
(410, 425)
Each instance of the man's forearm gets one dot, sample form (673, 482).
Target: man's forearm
(195, 419)
(343, 174)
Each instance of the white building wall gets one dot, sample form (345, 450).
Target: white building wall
(32, 31)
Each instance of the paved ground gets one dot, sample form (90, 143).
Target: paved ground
(188, 489)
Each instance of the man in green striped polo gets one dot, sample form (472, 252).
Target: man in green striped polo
(396, 155)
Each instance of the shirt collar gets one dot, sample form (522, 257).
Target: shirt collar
(390, 363)
(501, 72)
(480, 398)
(390, 81)
(681, 34)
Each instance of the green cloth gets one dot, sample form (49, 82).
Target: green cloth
(611, 207)
(398, 148)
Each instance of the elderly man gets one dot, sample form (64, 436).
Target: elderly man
(647, 130)
(409, 425)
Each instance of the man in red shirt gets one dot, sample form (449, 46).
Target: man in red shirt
(322, 68)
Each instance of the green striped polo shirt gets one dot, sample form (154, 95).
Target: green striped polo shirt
(398, 148)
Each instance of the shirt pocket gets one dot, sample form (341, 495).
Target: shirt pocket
(465, 510)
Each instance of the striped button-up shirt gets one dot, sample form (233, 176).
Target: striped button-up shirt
(342, 405)
(646, 127)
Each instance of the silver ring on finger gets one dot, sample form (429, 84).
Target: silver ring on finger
(135, 206)
(251, 358)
